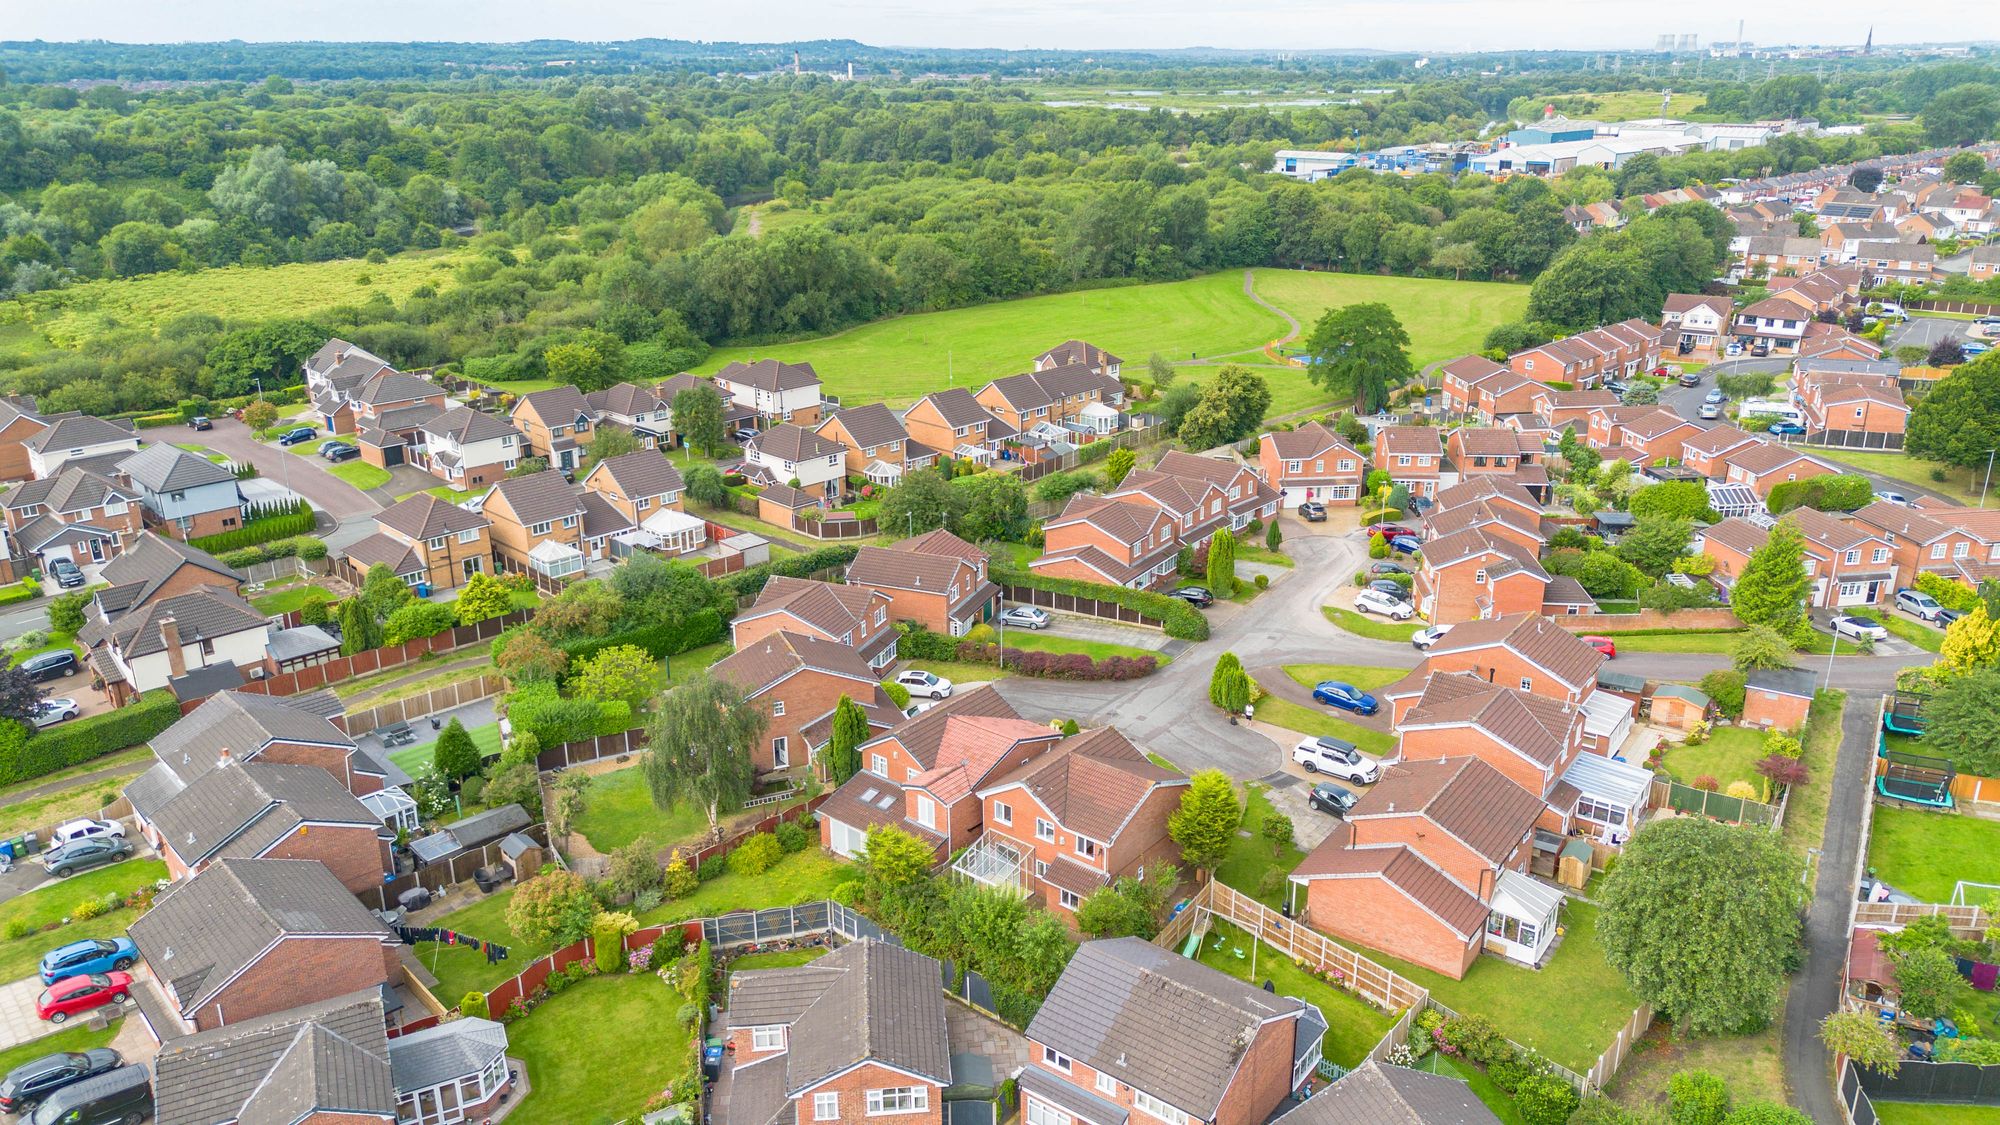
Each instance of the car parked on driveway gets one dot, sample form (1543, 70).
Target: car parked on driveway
(49, 712)
(1715, 396)
(924, 685)
(26, 1085)
(1025, 617)
(1604, 645)
(1312, 511)
(1406, 544)
(82, 855)
(1386, 567)
(49, 665)
(1425, 638)
(1389, 531)
(1332, 799)
(1337, 757)
(1788, 429)
(75, 995)
(1193, 595)
(1858, 625)
(1392, 606)
(84, 829)
(298, 434)
(1918, 604)
(67, 574)
(1390, 587)
(96, 955)
(1345, 697)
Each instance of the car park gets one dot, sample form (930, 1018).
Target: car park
(1394, 607)
(1332, 799)
(71, 831)
(1788, 429)
(1604, 645)
(26, 1085)
(1389, 531)
(1312, 511)
(75, 995)
(1425, 638)
(928, 685)
(297, 435)
(49, 665)
(1345, 697)
(93, 955)
(66, 573)
(1710, 411)
(1338, 758)
(1918, 604)
(1858, 626)
(49, 712)
(200, 422)
(82, 855)
(1193, 595)
(1025, 617)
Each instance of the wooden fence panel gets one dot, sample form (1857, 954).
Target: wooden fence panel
(429, 702)
(1966, 921)
(1071, 603)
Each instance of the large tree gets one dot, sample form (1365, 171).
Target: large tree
(1360, 350)
(1957, 421)
(924, 501)
(18, 693)
(1206, 821)
(1701, 919)
(1962, 114)
(1773, 587)
(455, 755)
(995, 506)
(697, 418)
(1655, 542)
(1958, 721)
(698, 751)
(1229, 409)
(850, 730)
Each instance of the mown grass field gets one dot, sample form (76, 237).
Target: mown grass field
(1445, 319)
(66, 317)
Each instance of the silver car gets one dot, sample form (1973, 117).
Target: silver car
(1025, 617)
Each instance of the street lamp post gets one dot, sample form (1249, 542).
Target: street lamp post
(1989, 475)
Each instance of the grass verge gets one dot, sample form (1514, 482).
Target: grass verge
(1284, 713)
(1362, 625)
(53, 903)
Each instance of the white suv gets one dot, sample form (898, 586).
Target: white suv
(84, 830)
(924, 685)
(1375, 601)
(1338, 758)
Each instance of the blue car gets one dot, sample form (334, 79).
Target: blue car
(1788, 429)
(102, 955)
(1406, 544)
(1347, 697)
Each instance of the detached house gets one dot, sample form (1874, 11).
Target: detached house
(332, 374)
(1412, 457)
(1470, 574)
(1707, 452)
(1850, 396)
(1765, 465)
(1089, 812)
(800, 679)
(437, 541)
(18, 423)
(953, 423)
(1119, 542)
(191, 495)
(468, 449)
(1077, 353)
(267, 810)
(1071, 395)
(1926, 542)
(78, 515)
(1849, 563)
(556, 424)
(389, 410)
(1985, 264)
(879, 449)
(644, 412)
(935, 580)
(777, 391)
(1698, 320)
(1528, 652)
(1559, 410)
(791, 452)
(1773, 322)
(1311, 463)
(536, 524)
(147, 648)
(1135, 1033)
(152, 569)
(79, 440)
(240, 727)
(842, 614)
(643, 490)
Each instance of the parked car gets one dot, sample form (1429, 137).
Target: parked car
(1193, 595)
(1971, 348)
(1332, 799)
(744, 434)
(341, 451)
(82, 855)
(84, 829)
(1788, 429)
(1384, 566)
(50, 665)
(1735, 348)
(68, 997)
(1604, 645)
(1918, 604)
(1344, 696)
(1859, 625)
(1406, 544)
(1312, 511)
(1709, 411)
(1425, 638)
(1388, 531)
(1761, 348)
(120, 1096)
(200, 422)
(26, 1085)
(1390, 587)
(928, 685)
(1394, 607)
(49, 712)
(1617, 387)
(1715, 396)
(1338, 757)
(329, 445)
(96, 955)
(1946, 616)
(298, 434)
(1690, 378)
(1875, 890)
(1026, 617)
(67, 574)
(1893, 498)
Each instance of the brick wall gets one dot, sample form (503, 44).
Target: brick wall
(298, 971)
(1371, 913)
(355, 854)
(1263, 1077)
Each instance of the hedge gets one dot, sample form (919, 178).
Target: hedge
(663, 640)
(1948, 592)
(750, 580)
(80, 740)
(155, 421)
(1058, 665)
(302, 546)
(1178, 619)
(279, 525)
(27, 589)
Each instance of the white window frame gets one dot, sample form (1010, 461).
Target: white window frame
(541, 528)
(878, 764)
(781, 755)
(1107, 1084)
(1055, 1059)
(1003, 813)
(768, 1038)
(469, 536)
(1044, 831)
(826, 1107)
(1068, 898)
(890, 1100)
(1152, 1106)
(777, 708)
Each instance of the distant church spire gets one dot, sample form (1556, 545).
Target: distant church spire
(1869, 46)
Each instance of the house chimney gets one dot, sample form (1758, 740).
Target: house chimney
(170, 635)
(222, 758)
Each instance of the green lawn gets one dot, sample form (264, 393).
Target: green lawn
(1362, 625)
(361, 474)
(1959, 483)
(1361, 676)
(683, 665)
(52, 904)
(901, 359)
(582, 1062)
(56, 640)
(1911, 630)
(311, 448)
(620, 810)
(1305, 720)
(1248, 553)
(78, 1038)
(1919, 1113)
(1569, 1010)
(416, 760)
(1032, 641)
(783, 959)
(1291, 392)
(1728, 755)
(461, 969)
(18, 815)
(287, 600)
(1483, 1088)
(1806, 809)
(1251, 856)
(1927, 853)
(1445, 319)
(1353, 1025)
(1715, 642)
(957, 672)
(806, 876)
(446, 493)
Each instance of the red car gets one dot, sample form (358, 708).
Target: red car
(1602, 644)
(1388, 530)
(66, 998)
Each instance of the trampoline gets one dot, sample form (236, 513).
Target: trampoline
(1917, 779)
(1905, 713)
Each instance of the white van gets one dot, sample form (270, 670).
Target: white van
(1771, 408)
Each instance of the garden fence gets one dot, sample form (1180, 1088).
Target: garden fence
(1382, 987)
(443, 873)
(1854, 1103)
(1668, 793)
(1957, 1083)
(833, 526)
(444, 698)
(1965, 787)
(567, 754)
(1976, 308)
(292, 566)
(1072, 603)
(1854, 439)
(1965, 921)
(313, 677)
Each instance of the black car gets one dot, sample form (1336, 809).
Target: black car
(743, 435)
(1387, 567)
(1312, 511)
(26, 1085)
(82, 855)
(1330, 798)
(50, 665)
(200, 422)
(1616, 388)
(1761, 348)
(66, 573)
(341, 451)
(1946, 616)
(1193, 595)
(120, 1096)
(1690, 378)
(1391, 588)
(297, 434)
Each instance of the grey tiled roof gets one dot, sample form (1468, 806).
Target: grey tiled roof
(319, 1071)
(769, 375)
(424, 516)
(1080, 1103)
(208, 1077)
(245, 808)
(1373, 1094)
(150, 561)
(152, 789)
(472, 832)
(1172, 1027)
(245, 722)
(641, 473)
(467, 425)
(539, 497)
(886, 1005)
(164, 468)
(201, 614)
(77, 430)
(436, 1055)
(384, 550)
(261, 901)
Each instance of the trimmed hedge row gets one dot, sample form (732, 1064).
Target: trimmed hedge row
(80, 740)
(1178, 619)
(262, 529)
(1059, 665)
(25, 590)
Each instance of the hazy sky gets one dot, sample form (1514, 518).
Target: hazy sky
(1431, 25)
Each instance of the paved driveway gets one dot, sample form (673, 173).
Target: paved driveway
(302, 473)
(1925, 331)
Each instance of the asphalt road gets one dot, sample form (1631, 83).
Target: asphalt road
(304, 474)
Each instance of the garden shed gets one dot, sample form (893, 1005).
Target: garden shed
(1610, 525)
(472, 832)
(1777, 699)
(1679, 706)
(1627, 684)
(522, 853)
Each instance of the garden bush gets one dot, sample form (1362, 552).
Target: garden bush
(93, 736)
(748, 581)
(665, 639)
(918, 643)
(678, 880)
(1948, 592)
(473, 1006)
(607, 937)
(1055, 665)
(755, 855)
(26, 589)
(1726, 688)
(793, 837)
(1544, 1099)
(1696, 1097)
(1476, 1039)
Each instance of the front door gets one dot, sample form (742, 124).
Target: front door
(96, 550)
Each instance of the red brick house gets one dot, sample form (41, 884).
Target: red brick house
(799, 679)
(1133, 1032)
(879, 449)
(954, 424)
(1471, 574)
(1412, 456)
(1640, 434)
(556, 424)
(1933, 541)
(1526, 651)
(251, 937)
(647, 413)
(935, 580)
(243, 727)
(1765, 465)
(1457, 378)
(1850, 396)
(1500, 496)
(268, 810)
(1558, 410)
(1087, 813)
(1080, 353)
(843, 614)
(467, 448)
(1707, 452)
(1615, 351)
(1850, 564)
(1311, 463)
(1489, 450)
(425, 539)
(1117, 542)
(78, 515)
(1056, 394)
(857, 1035)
